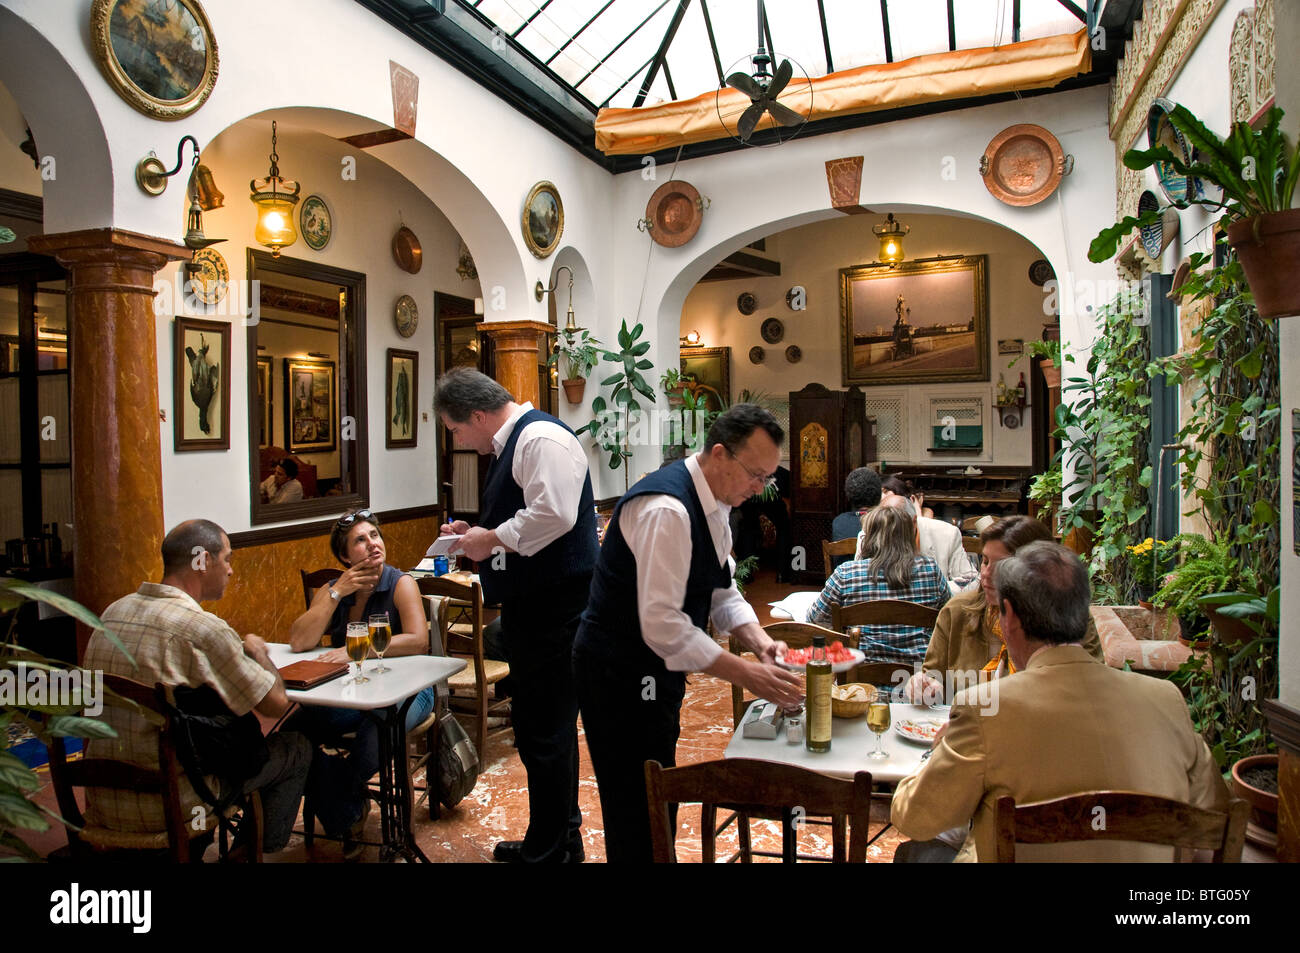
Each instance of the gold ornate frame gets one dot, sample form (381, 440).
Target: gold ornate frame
(542, 251)
(101, 14)
(972, 311)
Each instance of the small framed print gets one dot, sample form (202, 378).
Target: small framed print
(264, 402)
(201, 385)
(402, 417)
(310, 406)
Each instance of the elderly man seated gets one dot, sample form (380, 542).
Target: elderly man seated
(174, 641)
(1063, 725)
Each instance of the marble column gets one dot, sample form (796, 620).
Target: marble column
(515, 347)
(116, 463)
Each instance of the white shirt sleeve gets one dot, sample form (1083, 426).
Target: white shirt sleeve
(729, 608)
(550, 467)
(657, 530)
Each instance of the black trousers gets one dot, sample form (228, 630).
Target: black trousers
(538, 633)
(629, 717)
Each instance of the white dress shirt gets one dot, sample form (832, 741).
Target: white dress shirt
(657, 529)
(550, 467)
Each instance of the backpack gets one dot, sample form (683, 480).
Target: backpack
(212, 741)
(458, 763)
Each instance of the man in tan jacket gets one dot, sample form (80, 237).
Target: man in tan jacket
(1063, 725)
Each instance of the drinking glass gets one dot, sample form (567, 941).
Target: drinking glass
(878, 722)
(358, 646)
(381, 634)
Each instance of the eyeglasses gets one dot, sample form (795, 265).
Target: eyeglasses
(364, 516)
(763, 478)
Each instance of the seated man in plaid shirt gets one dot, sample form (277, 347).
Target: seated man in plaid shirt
(888, 567)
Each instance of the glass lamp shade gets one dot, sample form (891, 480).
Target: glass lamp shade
(275, 217)
(890, 233)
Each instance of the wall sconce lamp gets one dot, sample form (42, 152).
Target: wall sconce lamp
(275, 198)
(890, 233)
(570, 326)
(204, 195)
(690, 339)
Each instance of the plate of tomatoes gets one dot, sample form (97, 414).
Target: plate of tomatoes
(841, 658)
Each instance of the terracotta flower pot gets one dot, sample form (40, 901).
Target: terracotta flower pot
(1268, 247)
(1051, 373)
(1233, 633)
(574, 387)
(1262, 826)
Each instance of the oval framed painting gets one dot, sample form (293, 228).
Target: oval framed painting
(161, 57)
(315, 222)
(543, 219)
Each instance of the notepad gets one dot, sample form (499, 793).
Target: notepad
(443, 545)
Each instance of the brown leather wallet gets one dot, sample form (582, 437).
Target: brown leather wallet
(309, 673)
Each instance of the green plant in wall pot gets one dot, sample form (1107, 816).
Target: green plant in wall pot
(1201, 567)
(1257, 172)
(47, 721)
(576, 352)
(612, 422)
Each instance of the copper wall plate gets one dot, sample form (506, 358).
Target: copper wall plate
(772, 330)
(406, 250)
(1022, 165)
(793, 354)
(757, 355)
(675, 212)
(746, 303)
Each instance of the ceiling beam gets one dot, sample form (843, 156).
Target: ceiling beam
(713, 43)
(668, 77)
(637, 29)
(659, 57)
(531, 17)
(826, 37)
(1075, 9)
(565, 45)
(767, 32)
(952, 30)
(1015, 21)
(884, 25)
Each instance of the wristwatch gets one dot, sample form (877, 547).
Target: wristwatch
(334, 594)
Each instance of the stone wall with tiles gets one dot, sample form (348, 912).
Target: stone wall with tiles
(265, 595)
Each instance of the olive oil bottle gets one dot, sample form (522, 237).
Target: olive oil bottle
(819, 680)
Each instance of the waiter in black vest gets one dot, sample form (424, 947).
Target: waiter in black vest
(536, 547)
(664, 569)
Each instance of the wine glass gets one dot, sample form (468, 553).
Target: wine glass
(878, 722)
(381, 633)
(358, 646)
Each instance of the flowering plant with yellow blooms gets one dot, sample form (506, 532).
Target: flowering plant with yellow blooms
(1140, 560)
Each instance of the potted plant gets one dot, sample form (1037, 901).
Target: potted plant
(1202, 568)
(1048, 353)
(577, 353)
(1141, 558)
(671, 383)
(611, 425)
(1257, 172)
(1045, 492)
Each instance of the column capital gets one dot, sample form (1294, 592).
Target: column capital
(502, 329)
(102, 245)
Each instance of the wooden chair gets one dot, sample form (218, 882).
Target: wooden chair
(973, 545)
(311, 581)
(1144, 818)
(883, 612)
(461, 628)
(797, 635)
(833, 549)
(180, 828)
(758, 788)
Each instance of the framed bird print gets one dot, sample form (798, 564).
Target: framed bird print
(310, 406)
(201, 385)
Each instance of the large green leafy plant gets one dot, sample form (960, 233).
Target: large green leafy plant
(577, 351)
(45, 721)
(612, 421)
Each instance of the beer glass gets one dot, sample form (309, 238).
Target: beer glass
(878, 722)
(381, 634)
(358, 646)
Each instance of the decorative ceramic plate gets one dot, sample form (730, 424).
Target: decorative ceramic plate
(675, 212)
(793, 354)
(406, 316)
(772, 330)
(209, 278)
(1022, 165)
(1179, 189)
(1041, 272)
(746, 303)
(315, 222)
(757, 355)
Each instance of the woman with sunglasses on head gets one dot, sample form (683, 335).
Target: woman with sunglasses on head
(367, 586)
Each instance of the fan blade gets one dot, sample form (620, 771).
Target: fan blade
(784, 114)
(744, 83)
(745, 128)
(783, 74)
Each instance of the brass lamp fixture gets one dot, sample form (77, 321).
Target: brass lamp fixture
(690, 339)
(275, 198)
(890, 233)
(570, 326)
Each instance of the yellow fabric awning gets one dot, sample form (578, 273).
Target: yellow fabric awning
(1032, 64)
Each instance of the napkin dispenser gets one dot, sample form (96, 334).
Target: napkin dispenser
(762, 721)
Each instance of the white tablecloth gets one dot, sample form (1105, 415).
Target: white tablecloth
(407, 675)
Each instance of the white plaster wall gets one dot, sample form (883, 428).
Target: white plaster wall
(811, 256)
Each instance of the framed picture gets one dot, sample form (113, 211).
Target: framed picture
(310, 406)
(916, 322)
(201, 385)
(315, 222)
(264, 402)
(403, 392)
(543, 219)
(709, 373)
(160, 55)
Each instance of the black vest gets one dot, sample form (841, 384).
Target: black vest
(611, 627)
(573, 554)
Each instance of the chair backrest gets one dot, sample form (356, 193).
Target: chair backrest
(797, 635)
(756, 787)
(466, 598)
(881, 673)
(311, 581)
(1129, 816)
(833, 549)
(164, 781)
(972, 544)
(883, 612)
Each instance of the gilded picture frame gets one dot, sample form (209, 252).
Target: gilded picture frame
(916, 322)
(542, 221)
(707, 371)
(310, 406)
(161, 57)
(265, 402)
(201, 385)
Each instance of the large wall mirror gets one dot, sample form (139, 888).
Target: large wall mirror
(306, 389)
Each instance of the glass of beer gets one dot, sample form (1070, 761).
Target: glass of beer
(878, 722)
(358, 646)
(380, 635)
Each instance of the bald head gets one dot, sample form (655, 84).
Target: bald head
(196, 558)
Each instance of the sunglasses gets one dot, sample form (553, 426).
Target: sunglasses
(364, 516)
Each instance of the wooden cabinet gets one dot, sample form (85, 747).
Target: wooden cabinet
(829, 436)
(955, 495)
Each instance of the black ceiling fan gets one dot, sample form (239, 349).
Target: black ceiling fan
(763, 88)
